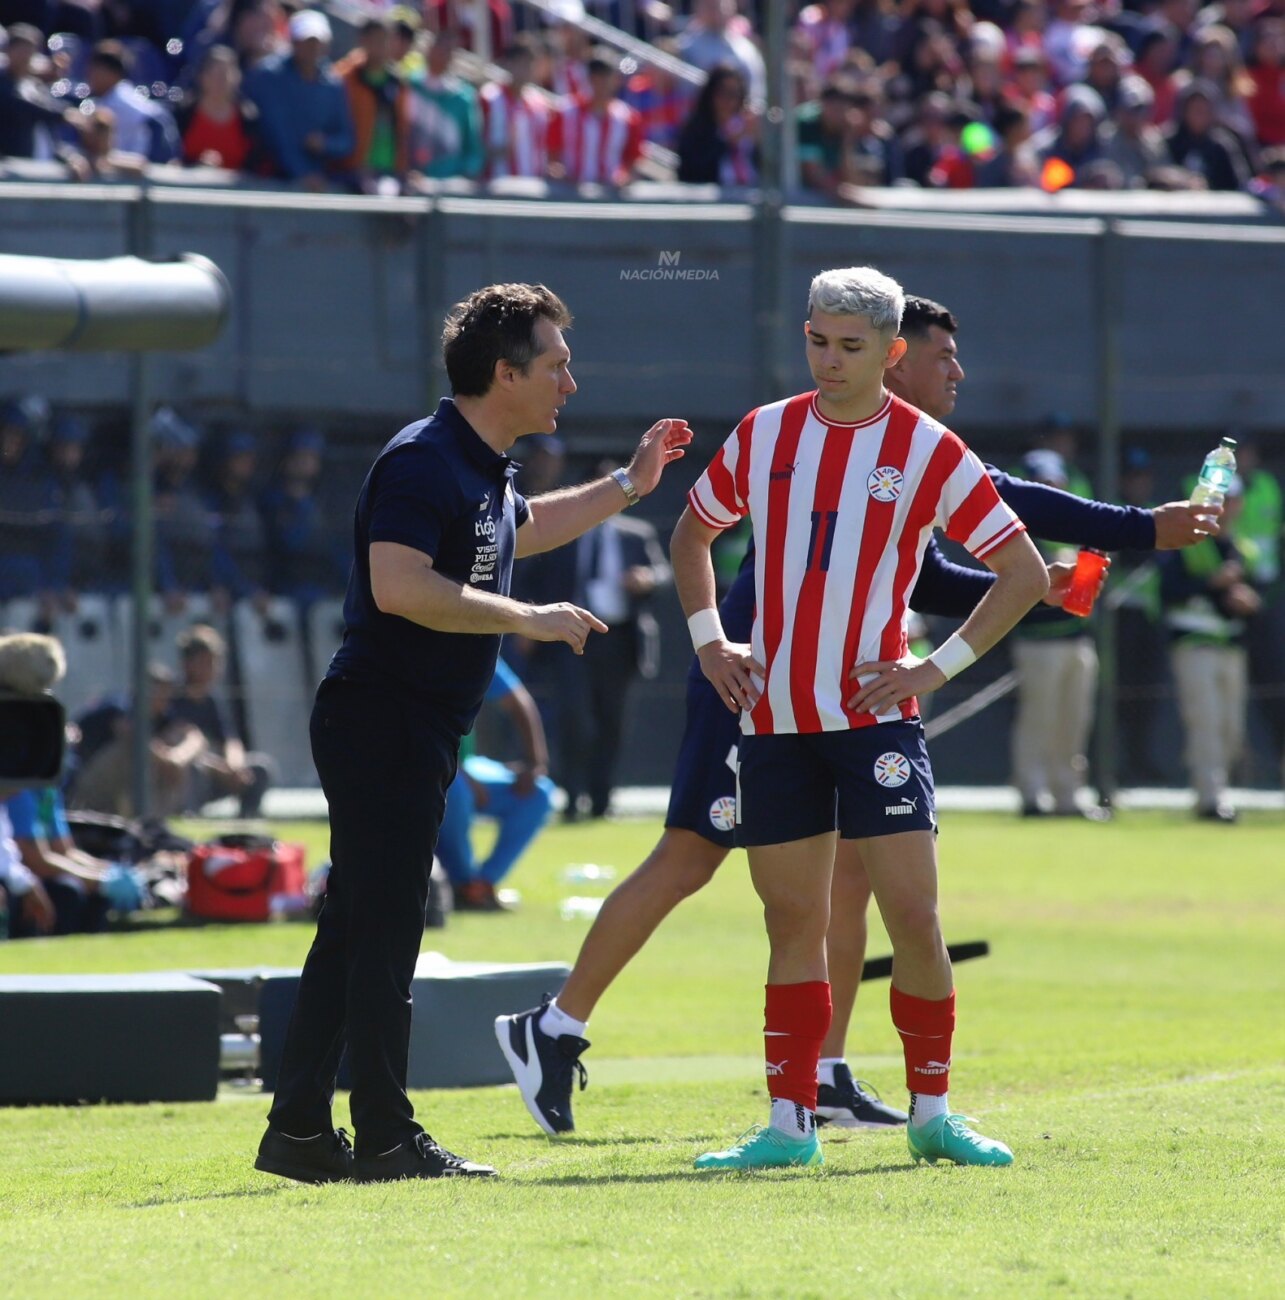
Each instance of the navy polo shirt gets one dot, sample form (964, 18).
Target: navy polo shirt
(438, 488)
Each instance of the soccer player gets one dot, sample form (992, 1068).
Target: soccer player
(437, 526)
(831, 738)
(544, 1045)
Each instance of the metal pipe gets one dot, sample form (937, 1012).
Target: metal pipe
(117, 304)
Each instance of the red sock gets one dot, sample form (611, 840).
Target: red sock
(796, 1020)
(926, 1028)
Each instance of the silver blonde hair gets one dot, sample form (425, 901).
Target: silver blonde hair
(30, 664)
(859, 291)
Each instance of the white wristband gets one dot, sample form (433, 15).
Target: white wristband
(705, 626)
(953, 655)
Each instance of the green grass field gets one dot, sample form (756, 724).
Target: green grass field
(1125, 1037)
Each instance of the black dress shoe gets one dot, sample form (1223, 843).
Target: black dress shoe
(421, 1157)
(325, 1158)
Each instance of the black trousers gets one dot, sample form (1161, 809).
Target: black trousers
(385, 769)
(595, 717)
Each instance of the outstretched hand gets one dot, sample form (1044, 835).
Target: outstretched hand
(661, 444)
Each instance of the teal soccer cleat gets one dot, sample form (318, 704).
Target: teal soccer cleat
(764, 1148)
(948, 1137)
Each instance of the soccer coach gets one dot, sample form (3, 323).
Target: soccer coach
(436, 530)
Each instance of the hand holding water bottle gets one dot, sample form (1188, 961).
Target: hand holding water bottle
(1216, 475)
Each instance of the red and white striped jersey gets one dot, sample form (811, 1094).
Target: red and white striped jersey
(842, 514)
(598, 146)
(518, 125)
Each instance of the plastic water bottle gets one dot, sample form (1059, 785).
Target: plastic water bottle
(1215, 475)
(582, 873)
(580, 909)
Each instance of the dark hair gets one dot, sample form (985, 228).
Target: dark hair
(921, 314)
(603, 61)
(719, 75)
(111, 54)
(524, 45)
(496, 324)
(376, 24)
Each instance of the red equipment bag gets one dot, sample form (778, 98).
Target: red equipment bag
(235, 877)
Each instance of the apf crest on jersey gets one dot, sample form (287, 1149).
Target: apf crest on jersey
(892, 769)
(722, 813)
(884, 483)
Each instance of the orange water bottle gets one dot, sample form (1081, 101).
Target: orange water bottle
(1090, 565)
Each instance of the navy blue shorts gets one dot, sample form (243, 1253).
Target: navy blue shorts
(866, 782)
(703, 796)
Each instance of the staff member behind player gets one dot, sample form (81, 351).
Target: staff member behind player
(698, 824)
(437, 526)
(831, 738)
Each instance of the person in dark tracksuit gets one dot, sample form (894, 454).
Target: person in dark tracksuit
(438, 524)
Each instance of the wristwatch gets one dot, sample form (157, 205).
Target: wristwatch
(626, 486)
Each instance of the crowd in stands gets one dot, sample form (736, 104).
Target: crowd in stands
(230, 521)
(1098, 94)
(242, 516)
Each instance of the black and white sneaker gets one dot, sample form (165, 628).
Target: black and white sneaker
(421, 1157)
(544, 1067)
(852, 1103)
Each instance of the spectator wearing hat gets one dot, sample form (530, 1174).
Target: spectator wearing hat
(597, 140)
(1210, 600)
(185, 527)
(1057, 674)
(103, 781)
(1130, 140)
(405, 37)
(223, 767)
(709, 41)
(719, 141)
(303, 110)
(26, 523)
(307, 551)
(238, 557)
(446, 119)
(1197, 143)
(219, 127)
(143, 126)
(79, 553)
(1109, 60)
(1077, 140)
(29, 114)
(379, 102)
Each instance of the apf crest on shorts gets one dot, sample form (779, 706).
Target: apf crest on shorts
(722, 813)
(892, 769)
(884, 483)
